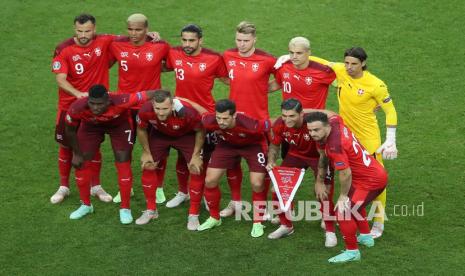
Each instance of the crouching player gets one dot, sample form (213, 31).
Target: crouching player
(361, 176)
(238, 136)
(97, 115)
(181, 130)
(292, 129)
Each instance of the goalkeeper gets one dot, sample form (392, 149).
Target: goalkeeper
(359, 93)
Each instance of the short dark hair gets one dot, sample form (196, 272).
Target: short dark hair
(83, 18)
(292, 104)
(316, 116)
(192, 28)
(98, 91)
(224, 105)
(357, 52)
(161, 95)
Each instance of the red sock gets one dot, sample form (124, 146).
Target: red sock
(259, 206)
(282, 215)
(96, 166)
(349, 230)
(149, 180)
(160, 171)
(213, 197)
(362, 224)
(182, 173)
(83, 176)
(196, 192)
(125, 182)
(327, 209)
(234, 176)
(65, 155)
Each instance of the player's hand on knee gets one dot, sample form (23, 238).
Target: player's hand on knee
(77, 161)
(281, 60)
(195, 165)
(342, 204)
(147, 162)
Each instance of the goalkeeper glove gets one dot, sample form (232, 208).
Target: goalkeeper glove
(389, 149)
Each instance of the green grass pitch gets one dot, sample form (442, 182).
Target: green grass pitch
(416, 47)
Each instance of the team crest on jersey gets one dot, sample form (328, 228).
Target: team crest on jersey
(124, 54)
(308, 80)
(286, 75)
(255, 67)
(232, 63)
(176, 127)
(242, 135)
(56, 65)
(68, 118)
(76, 57)
(178, 62)
(97, 51)
(202, 66)
(306, 137)
(286, 134)
(360, 92)
(149, 56)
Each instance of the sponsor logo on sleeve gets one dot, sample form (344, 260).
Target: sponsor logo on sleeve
(56, 65)
(340, 164)
(139, 96)
(68, 118)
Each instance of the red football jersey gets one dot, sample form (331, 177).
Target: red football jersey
(139, 66)
(246, 131)
(344, 151)
(84, 66)
(195, 75)
(178, 124)
(300, 142)
(249, 77)
(309, 86)
(118, 109)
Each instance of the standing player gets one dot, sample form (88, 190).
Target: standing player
(195, 70)
(78, 63)
(140, 67)
(96, 115)
(302, 79)
(170, 129)
(361, 176)
(239, 136)
(292, 129)
(359, 93)
(249, 71)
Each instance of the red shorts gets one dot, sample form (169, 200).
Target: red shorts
(60, 126)
(363, 197)
(296, 162)
(160, 145)
(90, 136)
(226, 156)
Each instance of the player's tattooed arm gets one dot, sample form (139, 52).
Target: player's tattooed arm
(71, 135)
(273, 151)
(320, 188)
